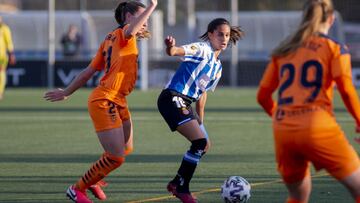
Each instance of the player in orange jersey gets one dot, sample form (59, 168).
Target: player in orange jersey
(304, 69)
(108, 109)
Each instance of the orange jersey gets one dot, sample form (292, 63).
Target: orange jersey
(305, 83)
(117, 57)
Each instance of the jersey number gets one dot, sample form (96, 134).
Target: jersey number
(108, 59)
(315, 84)
(180, 103)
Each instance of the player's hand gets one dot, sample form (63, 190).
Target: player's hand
(170, 41)
(154, 2)
(55, 95)
(12, 59)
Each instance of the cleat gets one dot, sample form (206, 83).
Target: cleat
(77, 196)
(184, 197)
(97, 191)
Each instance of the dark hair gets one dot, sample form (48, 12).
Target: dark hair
(126, 7)
(236, 33)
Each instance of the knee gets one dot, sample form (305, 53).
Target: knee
(113, 160)
(198, 146)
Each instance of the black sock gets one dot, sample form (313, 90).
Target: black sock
(184, 176)
(188, 165)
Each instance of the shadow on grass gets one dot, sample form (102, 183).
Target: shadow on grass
(135, 158)
(136, 109)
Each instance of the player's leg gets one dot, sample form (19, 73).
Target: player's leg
(352, 183)
(124, 113)
(113, 143)
(128, 129)
(125, 117)
(128, 133)
(299, 192)
(179, 186)
(340, 159)
(179, 115)
(293, 166)
(110, 133)
(191, 131)
(2, 80)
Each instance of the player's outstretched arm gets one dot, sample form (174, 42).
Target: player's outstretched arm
(171, 49)
(79, 81)
(137, 24)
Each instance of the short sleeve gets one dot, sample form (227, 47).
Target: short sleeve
(98, 62)
(270, 77)
(341, 62)
(192, 49)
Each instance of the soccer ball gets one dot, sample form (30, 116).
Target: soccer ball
(235, 190)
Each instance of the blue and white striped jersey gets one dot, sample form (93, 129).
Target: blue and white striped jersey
(199, 71)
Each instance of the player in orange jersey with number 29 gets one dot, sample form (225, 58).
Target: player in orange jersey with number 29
(304, 69)
(108, 109)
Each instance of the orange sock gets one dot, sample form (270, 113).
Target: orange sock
(292, 200)
(99, 170)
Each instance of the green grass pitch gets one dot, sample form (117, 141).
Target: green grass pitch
(45, 147)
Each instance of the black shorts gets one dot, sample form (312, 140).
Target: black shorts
(175, 108)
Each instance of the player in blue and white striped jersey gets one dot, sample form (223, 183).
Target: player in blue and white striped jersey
(199, 72)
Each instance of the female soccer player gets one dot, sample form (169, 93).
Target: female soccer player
(200, 71)
(117, 57)
(304, 69)
(6, 54)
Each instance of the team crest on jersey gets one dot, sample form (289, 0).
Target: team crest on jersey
(185, 111)
(193, 47)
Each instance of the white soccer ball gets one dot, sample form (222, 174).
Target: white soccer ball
(235, 190)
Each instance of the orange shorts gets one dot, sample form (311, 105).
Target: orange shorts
(327, 149)
(107, 115)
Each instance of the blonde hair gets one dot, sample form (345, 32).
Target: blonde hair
(315, 13)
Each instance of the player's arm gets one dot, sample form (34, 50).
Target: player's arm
(268, 85)
(341, 72)
(350, 98)
(200, 106)
(171, 49)
(9, 45)
(136, 25)
(264, 98)
(79, 81)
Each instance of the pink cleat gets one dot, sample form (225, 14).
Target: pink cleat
(77, 196)
(97, 191)
(184, 197)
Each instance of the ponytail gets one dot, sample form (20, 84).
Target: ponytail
(315, 13)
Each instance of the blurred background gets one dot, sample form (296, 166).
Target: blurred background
(46, 59)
